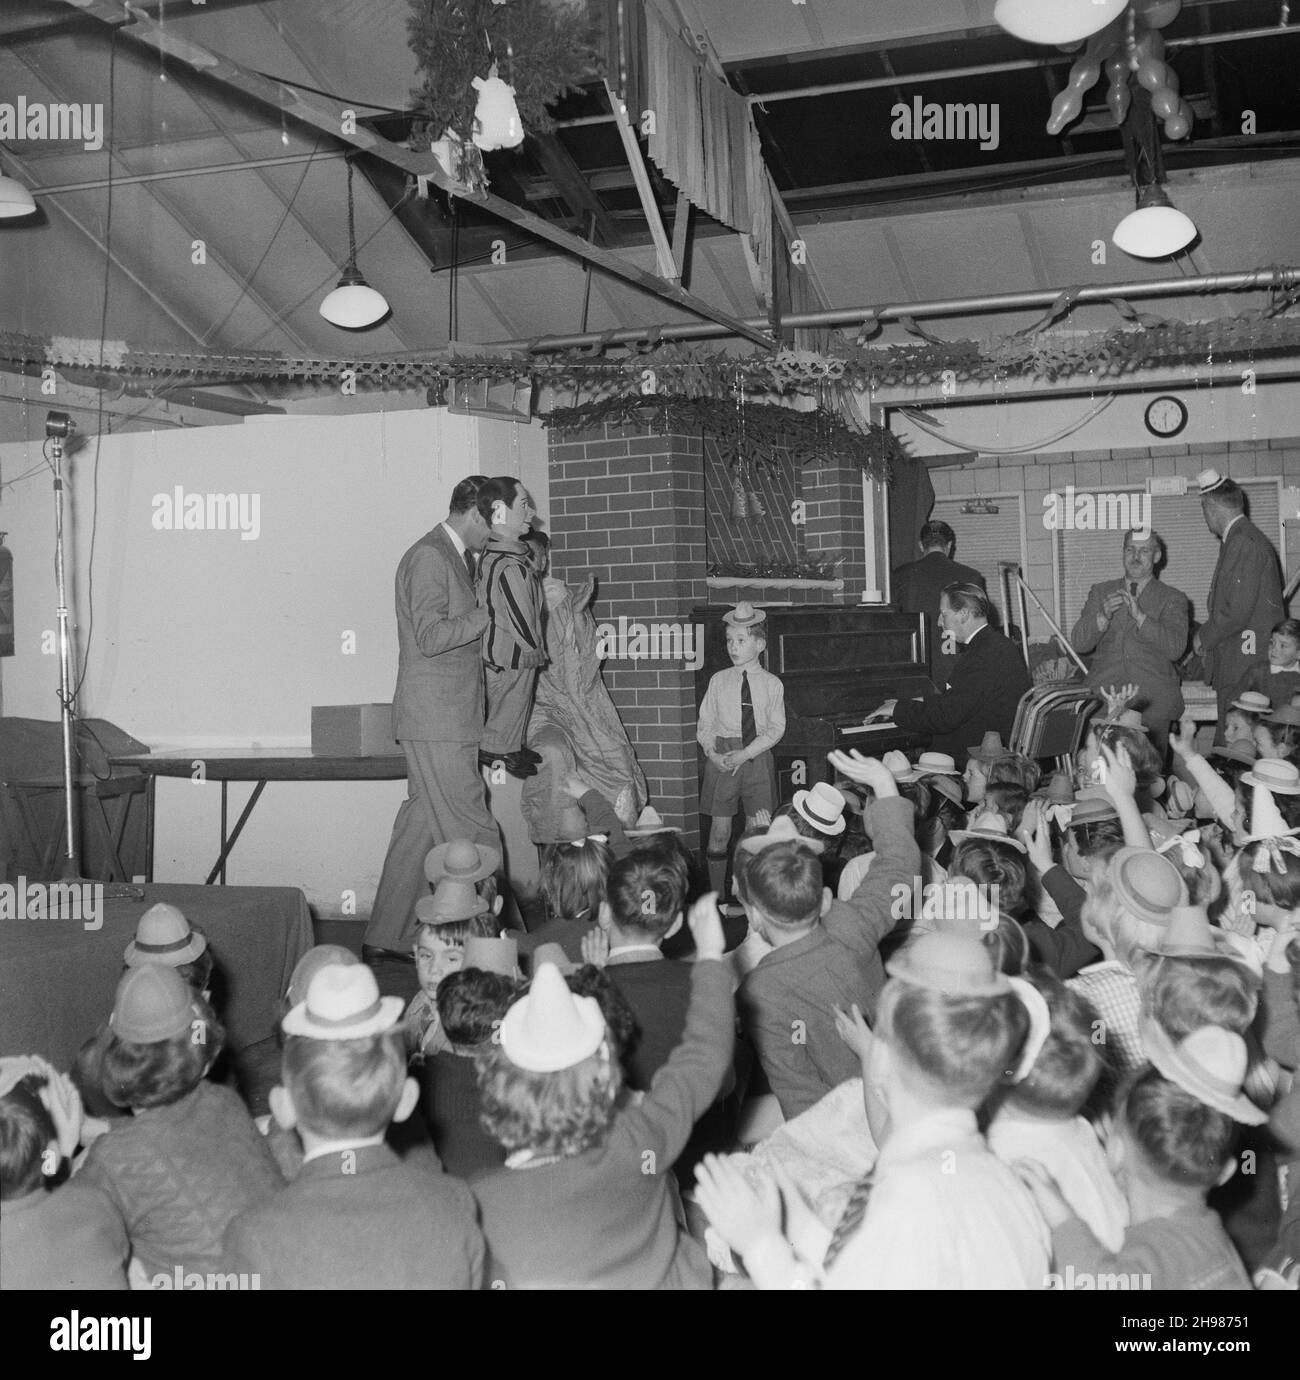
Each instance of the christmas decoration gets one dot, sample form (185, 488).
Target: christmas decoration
(496, 116)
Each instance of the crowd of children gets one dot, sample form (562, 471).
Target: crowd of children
(1068, 1007)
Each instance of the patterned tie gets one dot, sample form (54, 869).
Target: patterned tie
(469, 564)
(748, 729)
(846, 1228)
(1133, 588)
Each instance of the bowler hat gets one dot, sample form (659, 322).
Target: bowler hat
(462, 861)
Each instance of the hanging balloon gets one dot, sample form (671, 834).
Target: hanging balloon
(1177, 126)
(1117, 68)
(496, 117)
(1164, 102)
(1118, 99)
(1068, 103)
(1153, 74)
(1156, 14)
(1156, 46)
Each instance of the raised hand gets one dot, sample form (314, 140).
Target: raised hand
(595, 947)
(706, 927)
(1117, 698)
(1121, 779)
(866, 771)
(1184, 741)
(743, 1209)
(853, 1029)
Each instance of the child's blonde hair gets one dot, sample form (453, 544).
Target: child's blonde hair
(573, 878)
(561, 1113)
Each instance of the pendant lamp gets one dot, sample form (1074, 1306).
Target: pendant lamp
(354, 304)
(15, 199)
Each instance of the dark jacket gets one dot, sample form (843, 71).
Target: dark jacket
(916, 589)
(983, 694)
(1245, 596)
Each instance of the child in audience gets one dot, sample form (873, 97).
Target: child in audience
(1040, 1119)
(356, 1217)
(189, 1158)
(572, 886)
(824, 953)
(741, 719)
(471, 1005)
(1245, 714)
(66, 1238)
(162, 935)
(1279, 679)
(1171, 1143)
(1279, 734)
(586, 1198)
(939, 1210)
(1281, 1039)
(444, 921)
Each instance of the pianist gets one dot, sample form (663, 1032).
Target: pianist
(988, 678)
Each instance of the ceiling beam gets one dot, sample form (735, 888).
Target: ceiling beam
(327, 115)
(572, 186)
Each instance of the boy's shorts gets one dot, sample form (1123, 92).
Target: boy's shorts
(753, 786)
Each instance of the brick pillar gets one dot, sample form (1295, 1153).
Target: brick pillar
(833, 493)
(627, 506)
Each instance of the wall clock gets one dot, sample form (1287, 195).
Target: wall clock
(1165, 416)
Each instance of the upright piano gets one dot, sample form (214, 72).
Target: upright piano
(838, 663)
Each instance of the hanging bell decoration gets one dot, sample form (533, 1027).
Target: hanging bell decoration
(496, 117)
(756, 506)
(739, 502)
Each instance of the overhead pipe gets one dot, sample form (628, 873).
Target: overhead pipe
(1261, 278)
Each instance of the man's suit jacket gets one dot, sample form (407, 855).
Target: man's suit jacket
(787, 1004)
(1145, 655)
(916, 589)
(1245, 594)
(439, 695)
(983, 693)
(369, 1222)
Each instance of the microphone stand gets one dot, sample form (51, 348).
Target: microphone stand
(70, 866)
(1012, 569)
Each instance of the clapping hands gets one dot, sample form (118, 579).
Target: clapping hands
(866, 771)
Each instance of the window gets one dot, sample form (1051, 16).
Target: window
(1083, 558)
(984, 539)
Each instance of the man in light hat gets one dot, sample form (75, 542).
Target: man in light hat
(438, 711)
(1245, 598)
(1136, 626)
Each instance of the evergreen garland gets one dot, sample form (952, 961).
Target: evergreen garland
(542, 51)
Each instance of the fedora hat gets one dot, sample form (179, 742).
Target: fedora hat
(549, 1028)
(310, 964)
(822, 807)
(451, 900)
(955, 964)
(492, 955)
(1210, 1064)
(152, 1004)
(164, 935)
(1281, 778)
(991, 828)
(744, 615)
(781, 830)
(946, 785)
(1243, 750)
(1092, 810)
(1147, 884)
(648, 822)
(1288, 716)
(343, 1003)
(899, 767)
(1253, 702)
(990, 748)
(1190, 935)
(936, 764)
(1209, 480)
(462, 861)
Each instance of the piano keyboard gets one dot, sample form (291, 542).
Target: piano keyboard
(885, 727)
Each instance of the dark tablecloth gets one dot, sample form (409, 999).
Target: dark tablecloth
(57, 979)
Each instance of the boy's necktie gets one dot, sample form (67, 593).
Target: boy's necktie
(748, 729)
(851, 1219)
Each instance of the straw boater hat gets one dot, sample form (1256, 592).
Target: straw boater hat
(550, 1029)
(450, 901)
(311, 963)
(991, 828)
(1209, 480)
(492, 955)
(462, 861)
(1282, 778)
(1147, 885)
(648, 822)
(343, 1003)
(1210, 1064)
(744, 616)
(990, 749)
(164, 935)
(936, 764)
(900, 768)
(1190, 935)
(822, 807)
(781, 830)
(152, 1004)
(1286, 716)
(1253, 702)
(1266, 820)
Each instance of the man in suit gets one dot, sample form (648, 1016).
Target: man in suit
(918, 584)
(1137, 626)
(1245, 599)
(985, 687)
(437, 717)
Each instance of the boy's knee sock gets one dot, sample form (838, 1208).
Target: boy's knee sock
(718, 870)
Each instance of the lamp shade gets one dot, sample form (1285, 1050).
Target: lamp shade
(1155, 229)
(15, 199)
(354, 304)
(1056, 21)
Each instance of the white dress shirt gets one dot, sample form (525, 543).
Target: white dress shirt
(720, 713)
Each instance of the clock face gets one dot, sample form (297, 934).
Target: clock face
(1166, 416)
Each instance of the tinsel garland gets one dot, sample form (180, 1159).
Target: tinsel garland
(764, 435)
(542, 51)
